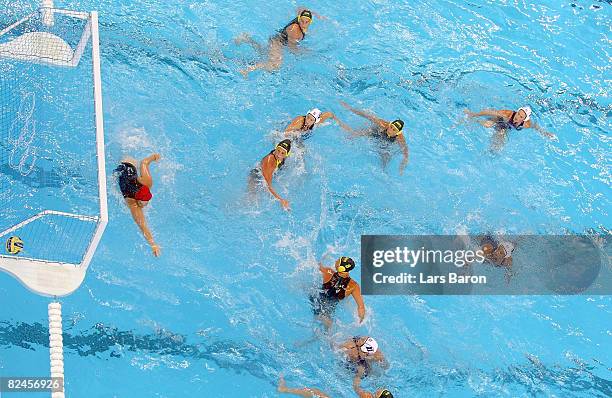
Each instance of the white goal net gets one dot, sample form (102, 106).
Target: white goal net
(52, 185)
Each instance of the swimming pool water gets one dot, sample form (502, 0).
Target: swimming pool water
(225, 309)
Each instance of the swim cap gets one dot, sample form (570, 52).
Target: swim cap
(128, 170)
(398, 124)
(143, 194)
(316, 113)
(306, 14)
(346, 264)
(527, 111)
(370, 346)
(286, 145)
(385, 394)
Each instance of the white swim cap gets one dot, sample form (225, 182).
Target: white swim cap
(370, 346)
(527, 111)
(316, 113)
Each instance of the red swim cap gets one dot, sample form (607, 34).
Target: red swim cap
(143, 194)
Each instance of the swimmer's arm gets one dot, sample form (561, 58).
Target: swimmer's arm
(540, 130)
(507, 263)
(489, 112)
(367, 115)
(356, 293)
(357, 385)
(343, 125)
(402, 143)
(347, 345)
(293, 126)
(139, 218)
(327, 115)
(267, 170)
(382, 360)
(324, 269)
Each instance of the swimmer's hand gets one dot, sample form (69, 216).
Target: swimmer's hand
(347, 106)
(550, 135)
(282, 386)
(469, 113)
(285, 204)
(403, 167)
(156, 250)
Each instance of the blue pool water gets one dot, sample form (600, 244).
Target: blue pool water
(225, 309)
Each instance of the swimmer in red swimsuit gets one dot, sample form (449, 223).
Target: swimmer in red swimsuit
(136, 191)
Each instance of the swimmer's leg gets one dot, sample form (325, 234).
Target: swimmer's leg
(254, 182)
(302, 392)
(323, 309)
(246, 38)
(498, 140)
(385, 157)
(487, 123)
(275, 59)
(326, 321)
(145, 174)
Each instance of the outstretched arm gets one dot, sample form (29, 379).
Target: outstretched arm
(543, 132)
(325, 269)
(267, 169)
(328, 115)
(357, 384)
(356, 293)
(487, 112)
(402, 143)
(295, 125)
(307, 392)
(382, 360)
(139, 218)
(367, 115)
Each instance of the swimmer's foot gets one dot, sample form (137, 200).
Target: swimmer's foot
(244, 73)
(282, 386)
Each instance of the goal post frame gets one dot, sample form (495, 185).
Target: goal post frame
(56, 279)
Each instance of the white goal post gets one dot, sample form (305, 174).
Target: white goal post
(58, 273)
